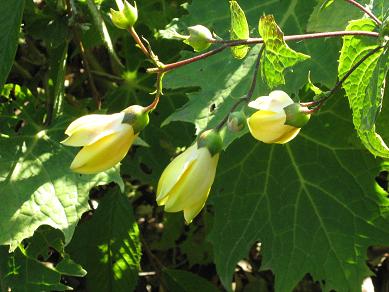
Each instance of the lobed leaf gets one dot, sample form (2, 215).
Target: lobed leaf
(313, 204)
(277, 55)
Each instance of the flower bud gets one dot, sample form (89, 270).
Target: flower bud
(126, 17)
(269, 123)
(211, 140)
(295, 115)
(200, 38)
(105, 139)
(185, 183)
(137, 116)
(236, 121)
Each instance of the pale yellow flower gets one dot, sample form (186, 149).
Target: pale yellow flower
(268, 123)
(186, 181)
(105, 140)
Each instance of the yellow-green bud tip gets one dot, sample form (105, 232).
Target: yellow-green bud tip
(212, 140)
(296, 115)
(137, 116)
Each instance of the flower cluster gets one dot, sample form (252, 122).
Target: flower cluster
(186, 182)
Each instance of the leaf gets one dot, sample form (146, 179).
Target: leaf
(277, 55)
(239, 29)
(365, 86)
(335, 17)
(108, 245)
(36, 186)
(177, 280)
(313, 204)
(218, 81)
(21, 273)
(10, 20)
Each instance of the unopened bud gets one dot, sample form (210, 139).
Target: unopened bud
(200, 38)
(126, 17)
(236, 121)
(296, 115)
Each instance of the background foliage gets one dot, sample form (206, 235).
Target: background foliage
(305, 216)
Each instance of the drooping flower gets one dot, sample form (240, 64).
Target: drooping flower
(185, 183)
(278, 118)
(106, 139)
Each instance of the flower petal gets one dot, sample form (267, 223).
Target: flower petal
(174, 171)
(192, 188)
(275, 102)
(89, 129)
(105, 153)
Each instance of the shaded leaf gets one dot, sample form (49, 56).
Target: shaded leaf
(277, 55)
(108, 245)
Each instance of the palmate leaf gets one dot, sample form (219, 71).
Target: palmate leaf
(365, 86)
(36, 186)
(277, 55)
(221, 79)
(313, 204)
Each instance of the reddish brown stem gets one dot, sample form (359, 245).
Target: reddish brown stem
(250, 41)
(137, 39)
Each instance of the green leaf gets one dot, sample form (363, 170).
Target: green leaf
(19, 272)
(277, 55)
(313, 204)
(108, 245)
(10, 20)
(365, 86)
(239, 29)
(36, 186)
(177, 280)
(335, 17)
(218, 81)
(22, 271)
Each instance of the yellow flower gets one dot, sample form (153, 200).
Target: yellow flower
(185, 183)
(106, 139)
(270, 123)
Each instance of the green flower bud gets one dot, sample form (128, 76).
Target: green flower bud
(212, 140)
(126, 17)
(137, 116)
(296, 115)
(200, 38)
(236, 121)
